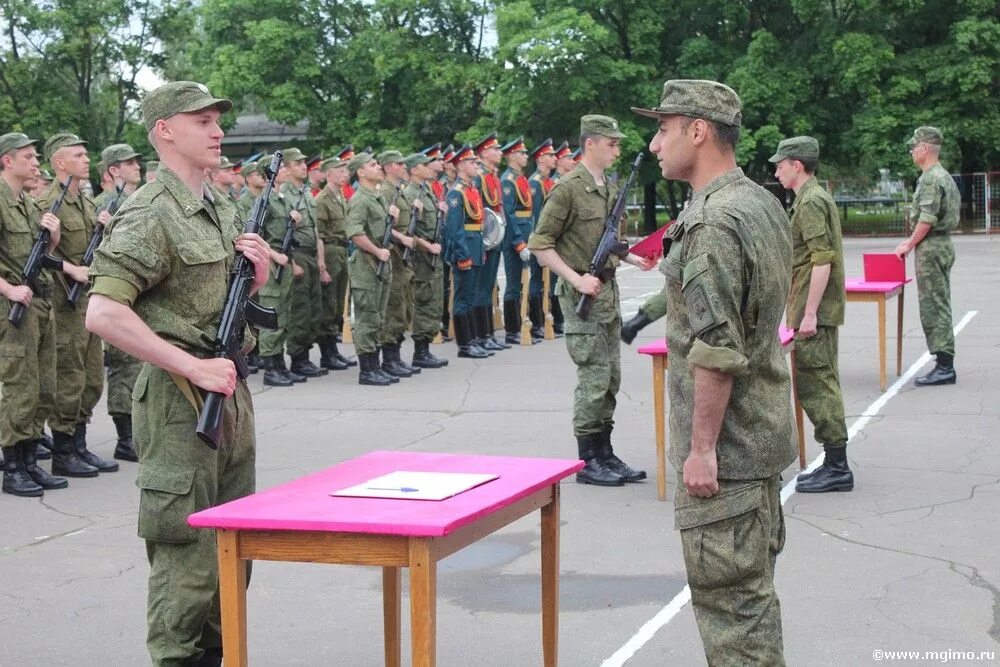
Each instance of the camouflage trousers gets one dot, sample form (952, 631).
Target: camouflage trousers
(27, 371)
(428, 299)
(179, 475)
(370, 296)
(331, 320)
(278, 296)
(79, 366)
(934, 258)
(304, 304)
(399, 308)
(817, 384)
(123, 369)
(731, 542)
(594, 347)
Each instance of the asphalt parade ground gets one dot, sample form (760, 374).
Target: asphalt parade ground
(906, 568)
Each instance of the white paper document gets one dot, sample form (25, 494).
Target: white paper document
(407, 485)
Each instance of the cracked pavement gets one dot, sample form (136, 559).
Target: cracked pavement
(907, 561)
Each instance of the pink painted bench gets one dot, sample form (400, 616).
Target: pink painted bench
(300, 521)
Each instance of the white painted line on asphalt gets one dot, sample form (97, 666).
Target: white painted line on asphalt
(667, 613)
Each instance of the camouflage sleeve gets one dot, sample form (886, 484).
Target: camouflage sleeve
(405, 210)
(551, 220)
(812, 222)
(712, 285)
(323, 217)
(357, 214)
(927, 201)
(135, 252)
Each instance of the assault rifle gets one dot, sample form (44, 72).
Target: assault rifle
(609, 245)
(76, 290)
(387, 236)
(288, 242)
(410, 231)
(38, 259)
(239, 309)
(438, 227)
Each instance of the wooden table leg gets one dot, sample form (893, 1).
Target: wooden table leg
(391, 599)
(550, 580)
(232, 598)
(800, 427)
(881, 342)
(659, 409)
(423, 602)
(899, 332)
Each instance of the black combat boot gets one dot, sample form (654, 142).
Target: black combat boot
(65, 460)
(614, 463)
(274, 376)
(328, 358)
(422, 357)
(339, 357)
(124, 448)
(833, 475)
(391, 362)
(536, 313)
(279, 360)
(942, 373)
(370, 374)
(414, 370)
(302, 366)
(596, 471)
(635, 324)
(463, 338)
(16, 480)
(512, 322)
(254, 362)
(87, 456)
(38, 476)
(557, 316)
(43, 451)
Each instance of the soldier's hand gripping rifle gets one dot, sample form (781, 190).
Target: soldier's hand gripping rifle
(239, 309)
(609, 245)
(288, 242)
(76, 289)
(411, 231)
(387, 236)
(38, 260)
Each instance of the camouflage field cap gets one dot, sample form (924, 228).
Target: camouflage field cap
(225, 163)
(45, 175)
(332, 163)
(358, 161)
(415, 159)
(390, 157)
(293, 155)
(13, 141)
(606, 126)
(248, 168)
(263, 163)
(177, 97)
(697, 98)
(61, 140)
(925, 134)
(796, 148)
(116, 153)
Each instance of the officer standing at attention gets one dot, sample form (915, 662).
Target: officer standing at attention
(365, 226)
(565, 239)
(815, 309)
(79, 354)
(160, 280)
(28, 380)
(541, 185)
(331, 213)
(727, 279)
(935, 213)
(518, 212)
(488, 184)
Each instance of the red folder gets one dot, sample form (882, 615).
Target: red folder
(652, 245)
(884, 268)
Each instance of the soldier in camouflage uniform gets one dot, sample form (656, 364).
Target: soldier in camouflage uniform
(160, 281)
(565, 239)
(727, 280)
(27, 352)
(815, 309)
(331, 213)
(254, 185)
(367, 215)
(427, 281)
(934, 212)
(79, 354)
(123, 369)
(399, 309)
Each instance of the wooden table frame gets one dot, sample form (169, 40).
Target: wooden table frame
(881, 298)
(390, 552)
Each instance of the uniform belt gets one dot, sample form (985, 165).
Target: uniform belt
(474, 228)
(522, 214)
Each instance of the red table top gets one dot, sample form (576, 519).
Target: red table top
(862, 285)
(305, 504)
(785, 335)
